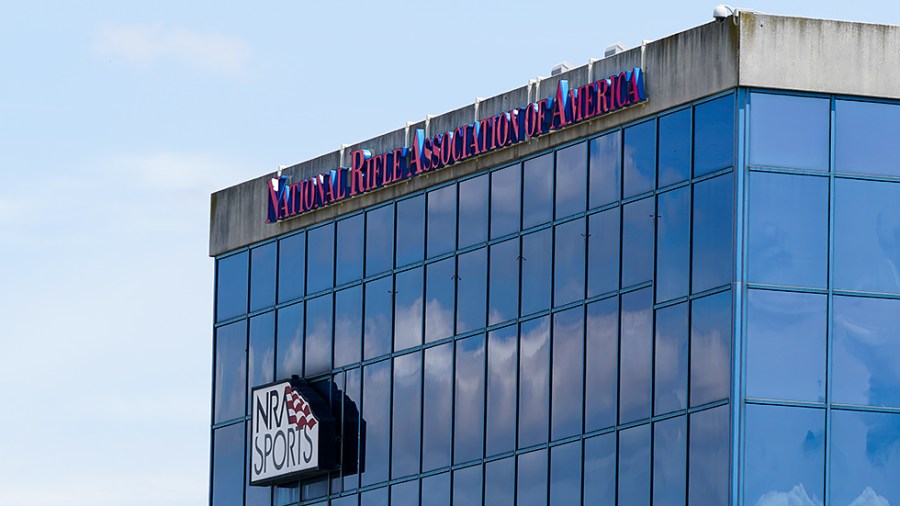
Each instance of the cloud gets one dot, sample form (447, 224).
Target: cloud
(147, 45)
(869, 497)
(797, 496)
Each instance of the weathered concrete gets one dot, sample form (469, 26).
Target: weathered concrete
(758, 51)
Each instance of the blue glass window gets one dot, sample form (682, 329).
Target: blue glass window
(669, 462)
(407, 405)
(440, 299)
(671, 364)
(377, 326)
(404, 494)
(603, 252)
(571, 173)
(437, 408)
(866, 351)
(537, 190)
(500, 482)
(531, 486)
(674, 147)
(349, 266)
(351, 500)
(318, 335)
(867, 236)
(565, 474)
(637, 242)
(231, 286)
(468, 429)
(410, 230)
(473, 211)
(713, 230)
(605, 166)
(352, 428)
(789, 131)
(639, 167)
(634, 466)
(786, 336)
(260, 352)
(601, 357)
(441, 227)
(228, 466)
(408, 308)
(289, 341)
(534, 390)
(501, 390)
(568, 262)
(436, 490)
(313, 487)
(291, 267)
(673, 240)
(714, 135)
(568, 375)
(471, 296)
(785, 455)
(865, 458)
(375, 406)
(379, 240)
(377, 497)
(504, 281)
(709, 457)
(864, 138)
(253, 496)
(230, 372)
(600, 469)
(636, 355)
(506, 200)
(320, 259)
(536, 271)
(788, 229)
(262, 276)
(710, 348)
(347, 326)
(467, 486)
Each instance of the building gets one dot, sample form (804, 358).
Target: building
(671, 276)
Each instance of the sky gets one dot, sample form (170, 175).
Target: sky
(118, 119)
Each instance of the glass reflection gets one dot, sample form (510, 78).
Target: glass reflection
(565, 474)
(262, 276)
(568, 359)
(468, 418)
(600, 469)
(673, 240)
(637, 242)
(377, 497)
(536, 270)
(506, 200)
(603, 252)
(354, 427)
(407, 402)
(318, 335)
(674, 147)
(436, 490)
(405, 494)
(377, 329)
(500, 482)
(636, 355)
(634, 466)
(437, 408)
(531, 486)
(501, 390)
(260, 352)
(347, 326)
(789, 131)
(471, 290)
(289, 341)
(408, 309)
(534, 381)
(410, 230)
(504, 282)
(350, 500)
(605, 168)
(349, 265)
(671, 364)
(709, 469)
(601, 357)
(710, 348)
(231, 372)
(571, 171)
(376, 403)
(865, 458)
(291, 267)
(440, 295)
(639, 165)
(713, 233)
(441, 227)
(379, 240)
(714, 135)
(320, 259)
(568, 262)
(231, 286)
(228, 466)
(669, 462)
(467, 486)
(537, 190)
(863, 142)
(473, 207)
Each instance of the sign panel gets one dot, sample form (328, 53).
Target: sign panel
(291, 431)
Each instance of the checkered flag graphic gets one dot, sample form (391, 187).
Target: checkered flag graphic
(299, 413)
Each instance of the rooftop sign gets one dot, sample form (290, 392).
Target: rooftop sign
(368, 172)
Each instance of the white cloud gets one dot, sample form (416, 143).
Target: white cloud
(869, 497)
(797, 496)
(146, 45)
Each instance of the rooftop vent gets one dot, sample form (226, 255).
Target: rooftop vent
(613, 49)
(559, 68)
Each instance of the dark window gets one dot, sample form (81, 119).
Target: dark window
(289, 341)
(500, 482)
(231, 372)
(565, 474)
(714, 135)
(675, 147)
(534, 389)
(636, 355)
(349, 265)
(261, 352)
(313, 487)
(407, 405)
(568, 262)
(536, 270)
(441, 221)
(710, 348)
(377, 326)
(709, 457)
(669, 462)
(501, 390)
(231, 286)
(408, 309)
(291, 267)
(440, 296)
(600, 469)
(568, 375)
(602, 364)
(504, 281)
(318, 335)
(473, 211)
(228, 466)
(639, 167)
(789, 131)
(634, 466)
(375, 407)
(379, 240)
(469, 400)
(637, 241)
(347, 326)
(603, 252)
(864, 138)
(352, 427)
(262, 276)
(571, 173)
(673, 242)
(865, 462)
(467, 486)
(532, 479)
(713, 230)
(605, 169)
(537, 190)
(471, 290)
(320, 259)
(437, 409)
(671, 363)
(506, 200)
(410, 230)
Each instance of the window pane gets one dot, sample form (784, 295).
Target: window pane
(602, 355)
(231, 372)
(673, 259)
(710, 348)
(253, 496)
(532, 479)
(320, 259)
(637, 242)
(534, 362)
(379, 240)
(867, 236)
(408, 306)
(536, 270)
(231, 286)
(714, 135)
(404, 494)
(605, 168)
(710, 445)
(571, 171)
(467, 486)
(468, 438)
(471, 290)
(671, 363)
(351, 414)
(504, 282)
(261, 352)
(865, 462)
(785, 455)
(378, 317)
(506, 200)
(350, 249)
(568, 359)
(565, 474)
(866, 351)
(440, 296)
(436, 490)
(669, 462)
(568, 262)
(437, 409)
(376, 403)
(473, 207)
(347, 326)
(349, 500)
(318, 335)
(377, 497)
(228, 466)
(262, 276)
(636, 355)
(537, 190)
(410, 230)
(786, 336)
(441, 221)
(313, 487)
(500, 482)
(291, 267)
(863, 142)
(289, 342)
(789, 131)
(407, 406)
(603, 252)
(501, 390)
(675, 147)
(639, 167)
(713, 231)
(634, 466)
(600, 469)
(788, 229)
